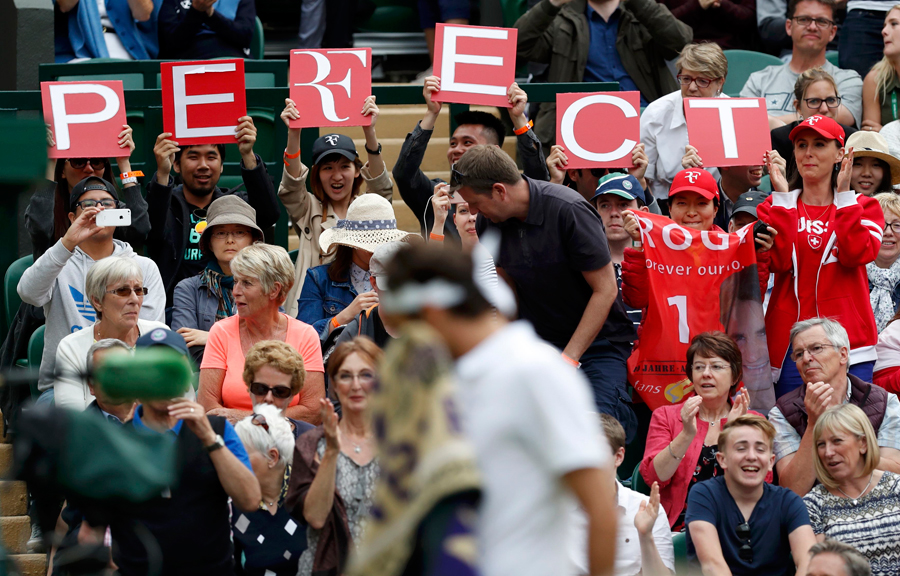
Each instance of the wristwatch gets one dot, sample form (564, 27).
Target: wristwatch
(373, 152)
(219, 443)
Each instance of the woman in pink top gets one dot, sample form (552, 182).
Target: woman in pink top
(263, 275)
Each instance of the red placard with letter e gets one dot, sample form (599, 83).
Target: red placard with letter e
(86, 118)
(598, 129)
(203, 100)
(476, 64)
(742, 137)
(330, 87)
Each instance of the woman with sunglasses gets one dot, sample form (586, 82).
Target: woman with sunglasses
(264, 545)
(333, 480)
(46, 217)
(855, 502)
(115, 288)
(274, 374)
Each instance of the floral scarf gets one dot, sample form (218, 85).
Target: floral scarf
(220, 285)
(883, 281)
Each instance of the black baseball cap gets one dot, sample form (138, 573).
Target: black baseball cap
(748, 202)
(88, 184)
(333, 144)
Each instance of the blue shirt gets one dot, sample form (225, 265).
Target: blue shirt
(232, 441)
(778, 513)
(604, 63)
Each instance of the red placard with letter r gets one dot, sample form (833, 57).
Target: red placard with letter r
(203, 100)
(476, 64)
(728, 131)
(86, 118)
(330, 86)
(598, 129)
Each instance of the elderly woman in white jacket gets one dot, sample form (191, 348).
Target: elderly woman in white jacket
(115, 288)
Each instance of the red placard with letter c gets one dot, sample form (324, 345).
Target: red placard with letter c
(598, 129)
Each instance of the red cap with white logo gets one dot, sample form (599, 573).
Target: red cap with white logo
(823, 125)
(695, 180)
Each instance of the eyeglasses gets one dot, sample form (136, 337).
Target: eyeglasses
(280, 392)
(80, 163)
(701, 82)
(125, 291)
(716, 368)
(260, 420)
(365, 378)
(814, 350)
(236, 234)
(894, 226)
(105, 203)
(831, 102)
(456, 176)
(805, 21)
(746, 551)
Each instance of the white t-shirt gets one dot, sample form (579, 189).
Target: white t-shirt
(531, 418)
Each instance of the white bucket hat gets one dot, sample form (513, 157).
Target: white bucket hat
(875, 145)
(370, 222)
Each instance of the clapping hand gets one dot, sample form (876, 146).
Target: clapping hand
(645, 519)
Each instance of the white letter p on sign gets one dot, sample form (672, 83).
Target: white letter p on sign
(62, 120)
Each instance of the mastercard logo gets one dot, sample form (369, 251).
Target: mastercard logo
(200, 227)
(676, 391)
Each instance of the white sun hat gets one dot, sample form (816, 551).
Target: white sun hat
(370, 222)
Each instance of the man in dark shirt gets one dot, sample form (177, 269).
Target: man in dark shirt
(178, 213)
(553, 250)
(473, 128)
(206, 29)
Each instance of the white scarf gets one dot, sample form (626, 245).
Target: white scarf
(883, 281)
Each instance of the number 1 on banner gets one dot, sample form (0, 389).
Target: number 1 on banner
(680, 304)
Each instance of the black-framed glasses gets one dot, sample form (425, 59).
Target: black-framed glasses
(745, 552)
(80, 163)
(125, 291)
(831, 102)
(455, 176)
(894, 226)
(260, 389)
(702, 82)
(821, 23)
(260, 420)
(106, 203)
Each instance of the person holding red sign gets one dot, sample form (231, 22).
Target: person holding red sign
(472, 129)
(826, 236)
(336, 178)
(178, 212)
(205, 29)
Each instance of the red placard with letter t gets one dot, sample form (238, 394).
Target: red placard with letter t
(476, 64)
(86, 118)
(728, 131)
(599, 129)
(330, 87)
(203, 100)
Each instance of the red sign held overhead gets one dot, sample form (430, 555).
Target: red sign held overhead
(742, 137)
(203, 100)
(476, 64)
(331, 86)
(598, 130)
(86, 118)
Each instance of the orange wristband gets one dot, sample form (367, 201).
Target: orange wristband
(568, 360)
(524, 128)
(137, 174)
(290, 156)
(436, 237)
(335, 323)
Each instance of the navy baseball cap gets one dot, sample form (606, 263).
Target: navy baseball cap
(748, 202)
(624, 185)
(163, 337)
(88, 184)
(333, 144)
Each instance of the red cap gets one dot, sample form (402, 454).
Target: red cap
(695, 180)
(823, 125)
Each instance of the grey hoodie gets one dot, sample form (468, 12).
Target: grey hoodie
(56, 282)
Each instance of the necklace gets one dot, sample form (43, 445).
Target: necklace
(810, 218)
(853, 500)
(713, 422)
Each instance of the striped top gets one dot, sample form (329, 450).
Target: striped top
(871, 525)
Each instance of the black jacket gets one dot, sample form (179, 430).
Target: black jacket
(168, 212)
(180, 27)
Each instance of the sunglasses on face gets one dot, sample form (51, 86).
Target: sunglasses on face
(260, 389)
(80, 163)
(260, 420)
(455, 176)
(743, 533)
(125, 291)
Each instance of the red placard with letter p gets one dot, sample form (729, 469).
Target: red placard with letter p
(331, 86)
(203, 100)
(598, 129)
(86, 118)
(476, 64)
(742, 138)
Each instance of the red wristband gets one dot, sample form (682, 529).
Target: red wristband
(568, 360)
(524, 128)
(436, 237)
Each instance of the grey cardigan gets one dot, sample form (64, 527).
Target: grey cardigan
(194, 306)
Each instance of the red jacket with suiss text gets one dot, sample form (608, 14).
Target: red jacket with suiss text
(838, 286)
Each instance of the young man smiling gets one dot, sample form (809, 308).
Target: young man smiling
(737, 523)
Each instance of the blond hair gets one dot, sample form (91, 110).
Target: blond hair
(706, 58)
(885, 74)
(280, 356)
(750, 420)
(851, 419)
(809, 77)
(889, 201)
(268, 264)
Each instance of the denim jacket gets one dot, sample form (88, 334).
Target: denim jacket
(322, 299)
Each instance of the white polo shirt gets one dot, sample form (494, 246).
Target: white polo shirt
(531, 418)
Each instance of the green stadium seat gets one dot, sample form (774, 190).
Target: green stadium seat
(512, 10)
(832, 56)
(637, 481)
(35, 351)
(129, 81)
(393, 16)
(679, 543)
(258, 43)
(742, 63)
(766, 184)
(293, 254)
(11, 300)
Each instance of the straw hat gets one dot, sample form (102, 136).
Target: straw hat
(370, 223)
(229, 209)
(874, 144)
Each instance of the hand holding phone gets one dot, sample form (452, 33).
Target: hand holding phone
(114, 217)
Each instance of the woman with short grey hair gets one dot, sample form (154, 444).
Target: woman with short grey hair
(114, 286)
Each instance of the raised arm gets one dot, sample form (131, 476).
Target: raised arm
(709, 549)
(320, 498)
